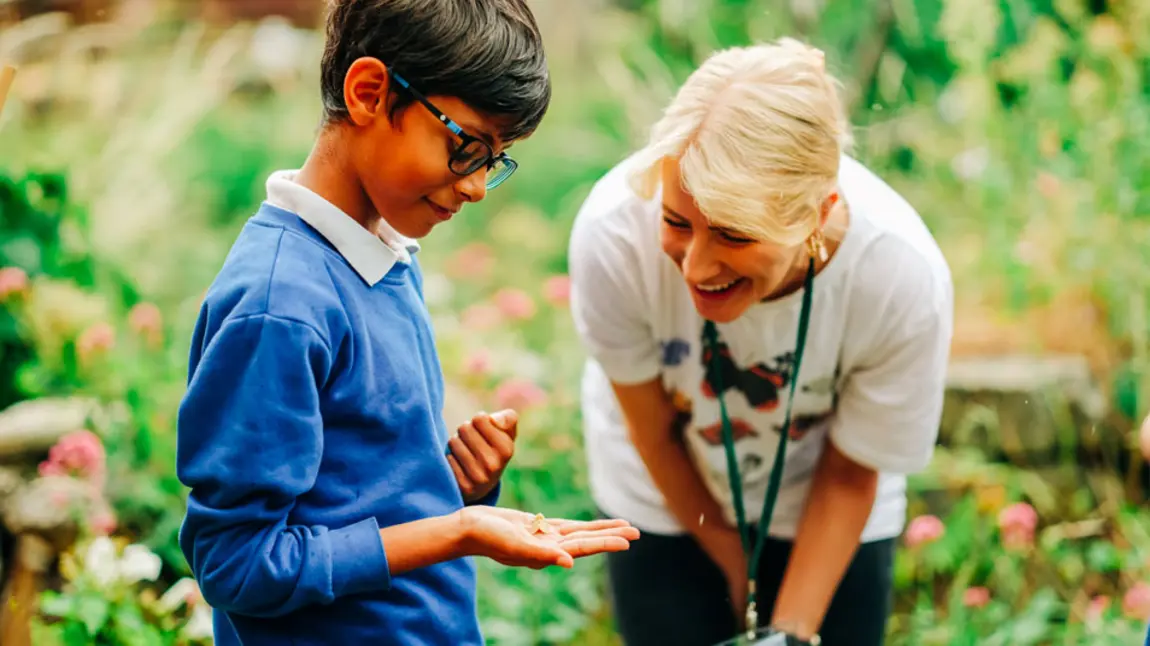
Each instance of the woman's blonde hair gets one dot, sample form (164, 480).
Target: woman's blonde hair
(758, 132)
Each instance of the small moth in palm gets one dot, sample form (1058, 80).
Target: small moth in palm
(539, 525)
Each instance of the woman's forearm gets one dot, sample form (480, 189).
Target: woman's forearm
(692, 504)
(841, 497)
(649, 417)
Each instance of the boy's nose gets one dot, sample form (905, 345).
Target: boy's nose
(473, 188)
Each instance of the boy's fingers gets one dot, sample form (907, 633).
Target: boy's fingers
(543, 554)
(465, 484)
(627, 533)
(485, 455)
(499, 439)
(507, 420)
(588, 546)
(466, 460)
(570, 526)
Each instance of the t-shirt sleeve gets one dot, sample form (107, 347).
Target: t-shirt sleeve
(607, 298)
(249, 442)
(890, 404)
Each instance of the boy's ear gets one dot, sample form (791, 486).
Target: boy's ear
(365, 90)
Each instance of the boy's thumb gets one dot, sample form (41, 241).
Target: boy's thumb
(505, 419)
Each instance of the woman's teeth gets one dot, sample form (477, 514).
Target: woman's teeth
(717, 288)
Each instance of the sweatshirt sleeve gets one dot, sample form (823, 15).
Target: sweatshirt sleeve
(250, 441)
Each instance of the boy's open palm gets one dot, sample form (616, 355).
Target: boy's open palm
(480, 451)
(516, 538)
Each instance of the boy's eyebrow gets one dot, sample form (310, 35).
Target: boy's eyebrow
(470, 127)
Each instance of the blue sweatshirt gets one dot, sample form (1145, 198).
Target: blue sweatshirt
(312, 419)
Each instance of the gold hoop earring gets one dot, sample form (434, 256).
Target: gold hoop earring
(817, 245)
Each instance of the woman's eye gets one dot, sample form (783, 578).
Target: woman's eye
(675, 223)
(733, 239)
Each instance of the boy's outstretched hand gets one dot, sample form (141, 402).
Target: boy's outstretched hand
(517, 538)
(480, 450)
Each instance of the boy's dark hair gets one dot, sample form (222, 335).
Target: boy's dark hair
(487, 53)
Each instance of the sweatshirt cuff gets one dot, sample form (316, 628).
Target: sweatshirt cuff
(359, 563)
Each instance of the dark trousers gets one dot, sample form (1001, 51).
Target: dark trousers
(665, 591)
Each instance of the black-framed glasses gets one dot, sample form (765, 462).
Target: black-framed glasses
(472, 153)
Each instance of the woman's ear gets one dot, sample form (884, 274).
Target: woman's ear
(827, 207)
(365, 89)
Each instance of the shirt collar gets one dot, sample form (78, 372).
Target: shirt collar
(369, 255)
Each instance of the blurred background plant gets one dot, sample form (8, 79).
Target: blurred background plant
(140, 132)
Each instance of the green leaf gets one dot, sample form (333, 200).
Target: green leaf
(131, 629)
(76, 635)
(1102, 556)
(92, 610)
(54, 604)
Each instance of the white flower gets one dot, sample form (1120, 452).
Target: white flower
(107, 568)
(951, 105)
(100, 561)
(139, 564)
(199, 626)
(177, 595)
(437, 290)
(969, 165)
(528, 364)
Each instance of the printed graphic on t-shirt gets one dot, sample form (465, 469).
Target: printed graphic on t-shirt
(760, 383)
(674, 351)
(803, 423)
(713, 434)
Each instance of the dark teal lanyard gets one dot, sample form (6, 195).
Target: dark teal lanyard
(754, 552)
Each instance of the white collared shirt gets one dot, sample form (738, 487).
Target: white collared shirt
(371, 256)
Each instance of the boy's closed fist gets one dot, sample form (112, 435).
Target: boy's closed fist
(480, 450)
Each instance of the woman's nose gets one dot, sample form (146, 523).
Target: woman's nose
(699, 263)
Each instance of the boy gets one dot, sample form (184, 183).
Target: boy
(327, 504)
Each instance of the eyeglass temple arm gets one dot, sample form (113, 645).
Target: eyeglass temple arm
(451, 125)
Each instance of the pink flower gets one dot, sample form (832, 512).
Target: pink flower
(976, 597)
(518, 394)
(1097, 609)
(478, 363)
(145, 320)
(1017, 524)
(481, 316)
(13, 282)
(924, 530)
(80, 454)
(557, 290)
(96, 339)
(1136, 602)
(102, 523)
(471, 261)
(515, 304)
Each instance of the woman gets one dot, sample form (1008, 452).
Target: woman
(692, 264)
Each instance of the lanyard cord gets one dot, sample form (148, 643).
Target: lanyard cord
(754, 552)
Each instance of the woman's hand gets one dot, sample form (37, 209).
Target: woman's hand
(733, 562)
(520, 539)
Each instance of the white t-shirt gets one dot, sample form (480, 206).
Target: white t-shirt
(872, 377)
